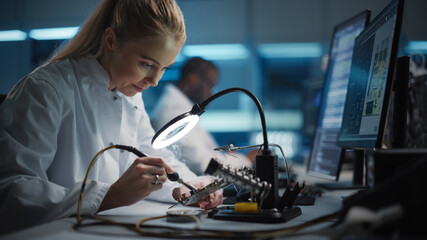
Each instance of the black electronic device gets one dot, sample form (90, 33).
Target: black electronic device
(416, 134)
(383, 164)
(397, 178)
(370, 82)
(326, 156)
(400, 103)
(370, 85)
(259, 190)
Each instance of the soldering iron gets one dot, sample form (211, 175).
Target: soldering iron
(174, 177)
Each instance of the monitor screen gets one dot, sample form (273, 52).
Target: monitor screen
(370, 81)
(325, 155)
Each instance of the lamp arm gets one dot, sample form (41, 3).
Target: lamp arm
(256, 101)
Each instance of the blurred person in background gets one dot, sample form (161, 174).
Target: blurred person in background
(198, 77)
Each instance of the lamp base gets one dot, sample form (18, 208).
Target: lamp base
(265, 216)
(266, 168)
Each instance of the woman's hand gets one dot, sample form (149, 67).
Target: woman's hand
(145, 175)
(211, 201)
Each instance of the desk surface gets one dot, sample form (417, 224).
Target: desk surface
(328, 203)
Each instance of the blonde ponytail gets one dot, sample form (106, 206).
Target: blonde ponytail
(130, 19)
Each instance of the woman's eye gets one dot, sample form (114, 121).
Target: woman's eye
(147, 66)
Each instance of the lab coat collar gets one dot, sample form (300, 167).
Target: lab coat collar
(101, 76)
(94, 69)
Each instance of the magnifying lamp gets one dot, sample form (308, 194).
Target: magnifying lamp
(177, 128)
(266, 166)
(182, 124)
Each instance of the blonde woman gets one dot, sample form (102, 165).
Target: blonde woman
(85, 98)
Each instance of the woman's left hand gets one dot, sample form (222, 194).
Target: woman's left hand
(211, 201)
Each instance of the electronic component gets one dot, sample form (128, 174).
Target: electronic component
(242, 177)
(197, 195)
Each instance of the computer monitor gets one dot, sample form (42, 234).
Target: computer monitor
(325, 155)
(370, 82)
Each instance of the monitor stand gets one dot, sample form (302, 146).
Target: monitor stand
(358, 158)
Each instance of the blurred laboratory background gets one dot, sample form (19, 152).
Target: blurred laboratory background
(277, 49)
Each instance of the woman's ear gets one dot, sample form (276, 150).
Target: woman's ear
(109, 39)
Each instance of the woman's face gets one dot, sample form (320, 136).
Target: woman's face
(134, 66)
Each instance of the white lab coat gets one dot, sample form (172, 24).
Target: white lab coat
(196, 148)
(52, 124)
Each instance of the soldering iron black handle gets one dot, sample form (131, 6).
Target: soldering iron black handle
(172, 176)
(132, 150)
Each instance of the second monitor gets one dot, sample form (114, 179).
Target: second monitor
(370, 82)
(325, 155)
